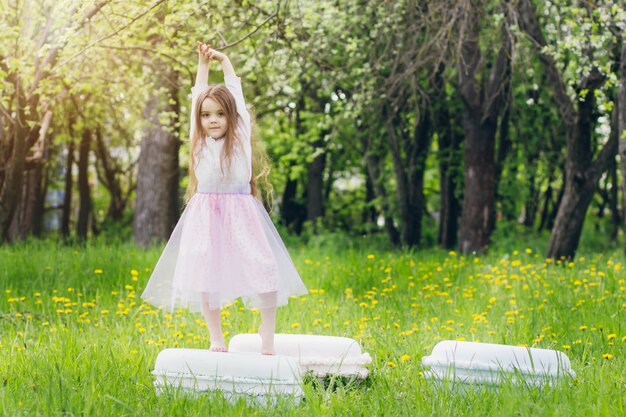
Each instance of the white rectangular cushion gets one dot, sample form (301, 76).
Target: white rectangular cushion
(487, 363)
(250, 374)
(321, 355)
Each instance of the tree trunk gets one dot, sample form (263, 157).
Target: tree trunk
(616, 218)
(314, 187)
(620, 109)
(409, 148)
(449, 202)
(84, 209)
(12, 184)
(369, 216)
(583, 176)
(372, 161)
(156, 206)
(67, 194)
(569, 221)
(24, 113)
(506, 207)
(292, 213)
(609, 194)
(531, 205)
(582, 173)
(449, 167)
(478, 191)
(545, 211)
(329, 167)
(28, 215)
(40, 205)
(110, 179)
(482, 104)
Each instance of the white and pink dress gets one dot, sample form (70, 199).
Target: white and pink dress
(225, 245)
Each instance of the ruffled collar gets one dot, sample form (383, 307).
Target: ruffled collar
(211, 140)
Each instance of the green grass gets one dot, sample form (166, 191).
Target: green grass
(76, 339)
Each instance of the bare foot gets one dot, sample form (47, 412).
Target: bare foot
(218, 346)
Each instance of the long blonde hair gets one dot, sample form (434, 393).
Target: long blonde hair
(260, 185)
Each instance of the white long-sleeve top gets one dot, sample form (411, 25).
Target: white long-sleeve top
(208, 169)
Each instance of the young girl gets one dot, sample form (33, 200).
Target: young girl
(224, 245)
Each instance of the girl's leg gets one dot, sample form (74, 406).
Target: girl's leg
(268, 323)
(214, 323)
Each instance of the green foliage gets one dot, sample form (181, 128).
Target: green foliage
(318, 75)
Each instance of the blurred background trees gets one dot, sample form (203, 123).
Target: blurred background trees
(431, 123)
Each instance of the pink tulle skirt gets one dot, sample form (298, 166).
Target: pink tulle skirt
(224, 246)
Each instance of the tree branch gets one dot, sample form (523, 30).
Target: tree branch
(530, 24)
(153, 51)
(249, 34)
(110, 35)
(52, 55)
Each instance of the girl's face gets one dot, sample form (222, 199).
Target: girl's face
(213, 119)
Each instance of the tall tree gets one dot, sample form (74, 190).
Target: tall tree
(24, 115)
(85, 203)
(579, 117)
(482, 91)
(449, 149)
(156, 204)
(621, 123)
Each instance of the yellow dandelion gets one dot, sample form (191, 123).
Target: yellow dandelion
(566, 347)
(607, 356)
(370, 256)
(391, 364)
(98, 271)
(405, 357)
(295, 325)
(611, 336)
(583, 328)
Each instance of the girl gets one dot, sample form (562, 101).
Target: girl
(224, 245)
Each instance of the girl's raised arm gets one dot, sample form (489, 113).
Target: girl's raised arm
(202, 75)
(232, 82)
(206, 53)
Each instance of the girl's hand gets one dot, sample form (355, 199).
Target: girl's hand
(202, 54)
(206, 53)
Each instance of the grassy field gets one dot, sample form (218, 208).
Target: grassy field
(76, 339)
